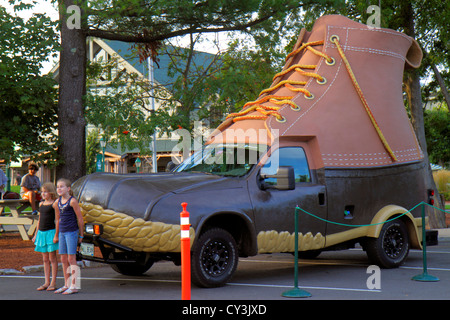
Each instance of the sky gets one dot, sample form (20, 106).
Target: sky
(45, 6)
(42, 6)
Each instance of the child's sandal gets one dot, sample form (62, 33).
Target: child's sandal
(61, 290)
(70, 291)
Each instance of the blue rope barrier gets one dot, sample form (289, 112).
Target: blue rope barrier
(297, 292)
(421, 277)
(367, 225)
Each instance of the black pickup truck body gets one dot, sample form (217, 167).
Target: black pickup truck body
(247, 209)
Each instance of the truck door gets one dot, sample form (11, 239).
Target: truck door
(274, 209)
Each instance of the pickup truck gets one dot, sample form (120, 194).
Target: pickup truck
(238, 208)
(330, 136)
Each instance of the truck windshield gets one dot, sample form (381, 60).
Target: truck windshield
(223, 159)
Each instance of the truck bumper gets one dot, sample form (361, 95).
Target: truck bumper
(107, 249)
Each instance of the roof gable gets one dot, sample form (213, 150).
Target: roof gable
(161, 69)
(161, 72)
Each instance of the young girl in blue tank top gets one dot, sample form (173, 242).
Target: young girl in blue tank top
(69, 225)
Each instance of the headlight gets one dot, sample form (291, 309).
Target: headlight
(93, 228)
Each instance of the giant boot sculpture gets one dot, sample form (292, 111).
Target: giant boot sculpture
(341, 86)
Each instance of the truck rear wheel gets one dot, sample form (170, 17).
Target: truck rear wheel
(214, 258)
(391, 248)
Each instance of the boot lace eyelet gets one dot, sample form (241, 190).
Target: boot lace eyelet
(334, 38)
(297, 108)
(330, 63)
(309, 97)
(323, 81)
(282, 120)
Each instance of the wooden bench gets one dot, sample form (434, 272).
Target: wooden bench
(16, 206)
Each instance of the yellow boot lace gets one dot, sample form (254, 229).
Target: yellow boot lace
(265, 110)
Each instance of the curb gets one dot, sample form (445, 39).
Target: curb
(443, 235)
(40, 268)
(9, 271)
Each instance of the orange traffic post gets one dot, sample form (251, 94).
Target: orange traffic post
(185, 254)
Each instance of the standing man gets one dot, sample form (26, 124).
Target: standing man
(3, 181)
(30, 187)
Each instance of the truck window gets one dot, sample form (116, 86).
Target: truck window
(289, 156)
(223, 159)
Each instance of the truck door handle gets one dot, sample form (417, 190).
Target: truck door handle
(321, 199)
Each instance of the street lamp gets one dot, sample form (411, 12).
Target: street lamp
(138, 164)
(103, 145)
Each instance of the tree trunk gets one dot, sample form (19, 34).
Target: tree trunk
(72, 88)
(436, 217)
(413, 92)
(441, 83)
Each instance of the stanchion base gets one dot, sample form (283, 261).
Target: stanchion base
(425, 277)
(296, 293)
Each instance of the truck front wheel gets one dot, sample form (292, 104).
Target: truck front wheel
(214, 258)
(132, 268)
(391, 248)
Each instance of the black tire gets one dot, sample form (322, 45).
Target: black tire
(391, 248)
(132, 269)
(310, 254)
(214, 258)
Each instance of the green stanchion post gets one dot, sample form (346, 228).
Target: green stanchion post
(296, 292)
(424, 276)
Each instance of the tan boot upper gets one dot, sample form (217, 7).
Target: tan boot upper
(341, 85)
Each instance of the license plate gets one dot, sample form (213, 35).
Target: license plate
(87, 249)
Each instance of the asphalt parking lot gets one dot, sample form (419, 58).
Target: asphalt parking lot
(339, 275)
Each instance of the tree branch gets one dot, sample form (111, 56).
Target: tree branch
(113, 35)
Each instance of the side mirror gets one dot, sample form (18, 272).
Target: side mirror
(285, 179)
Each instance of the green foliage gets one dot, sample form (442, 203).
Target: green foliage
(117, 109)
(206, 88)
(244, 72)
(92, 149)
(148, 24)
(437, 132)
(164, 19)
(442, 180)
(27, 100)
(199, 92)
